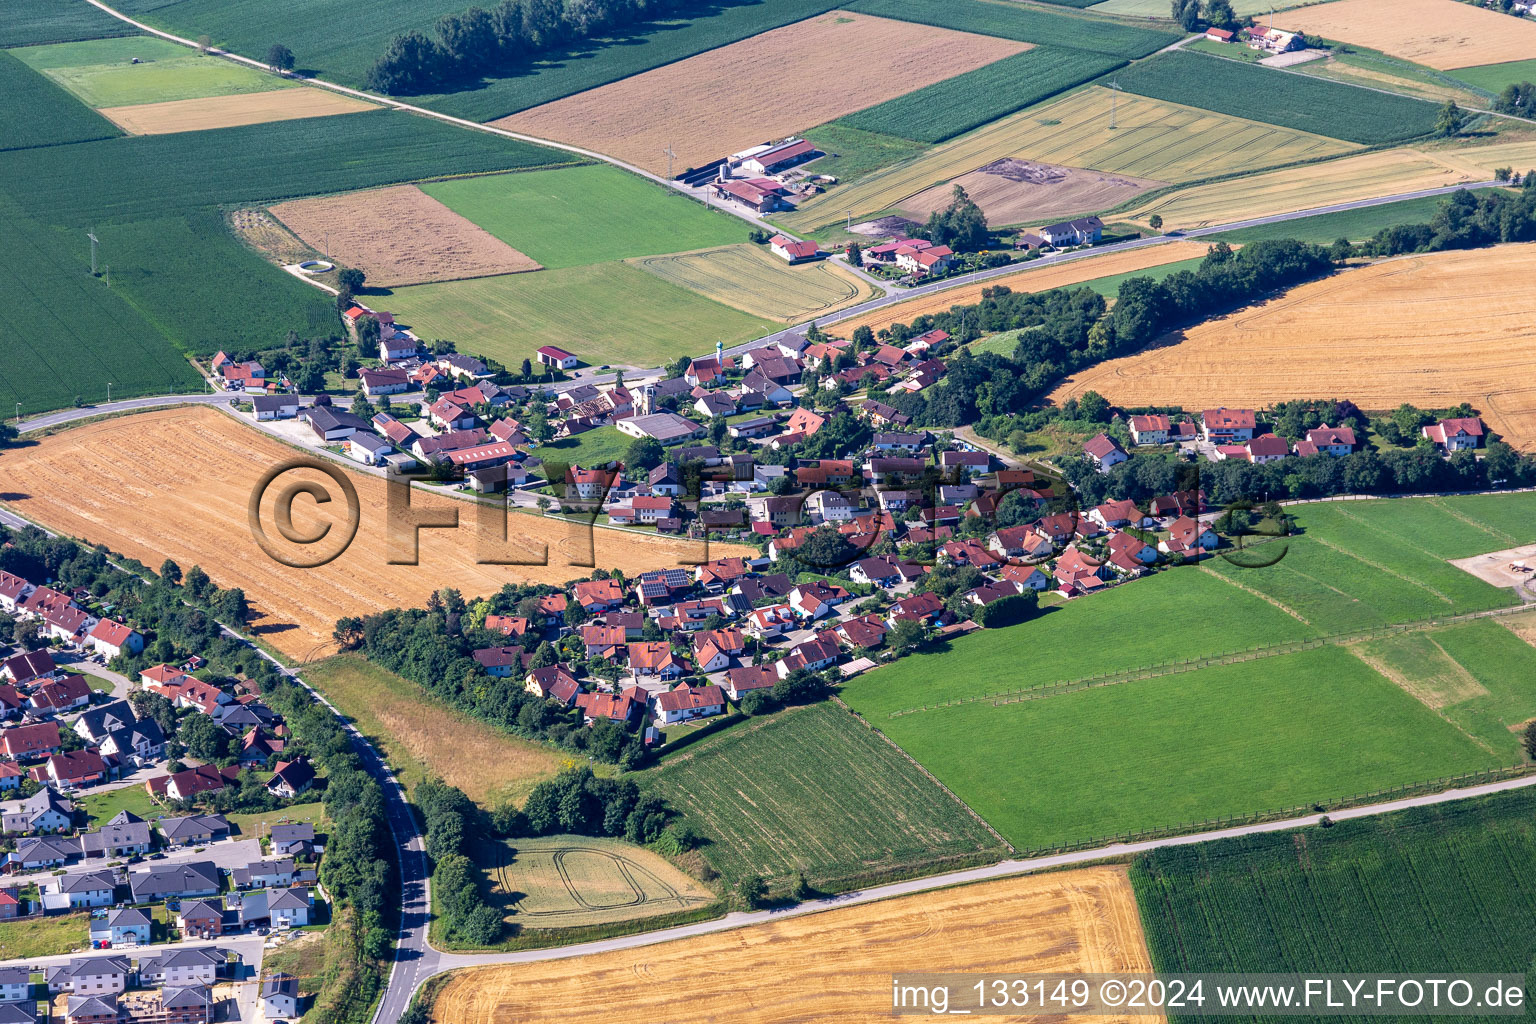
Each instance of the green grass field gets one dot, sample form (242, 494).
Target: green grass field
(30, 22)
(590, 448)
(45, 936)
(39, 113)
(100, 71)
(1479, 675)
(1028, 24)
(605, 313)
(1294, 101)
(1159, 9)
(812, 790)
(851, 153)
(1315, 726)
(1355, 225)
(1433, 889)
(152, 175)
(956, 105)
(1494, 77)
(582, 215)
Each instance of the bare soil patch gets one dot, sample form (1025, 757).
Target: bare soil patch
(887, 227)
(1495, 568)
(177, 484)
(1433, 330)
(399, 236)
(1015, 191)
(230, 111)
(1440, 33)
(760, 89)
(840, 961)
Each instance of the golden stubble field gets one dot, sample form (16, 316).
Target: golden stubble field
(176, 484)
(400, 235)
(752, 280)
(831, 966)
(1442, 34)
(231, 111)
(759, 89)
(1041, 277)
(1434, 330)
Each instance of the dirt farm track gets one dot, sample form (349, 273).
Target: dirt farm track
(176, 484)
(1434, 330)
(831, 966)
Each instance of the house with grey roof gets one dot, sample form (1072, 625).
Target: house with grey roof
(279, 908)
(43, 811)
(15, 984)
(263, 874)
(91, 975)
(90, 889)
(288, 840)
(43, 852)
(194, 829)
(175, 881)
(122, 927)
(202, 965)
(91, 1009)
(23, 1012)
(126, 835)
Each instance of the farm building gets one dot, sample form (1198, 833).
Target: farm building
(762, 195)
(787, 248)
(778, 157)
(368, 449)
(666, 427)
(558, 358)
(275, 407)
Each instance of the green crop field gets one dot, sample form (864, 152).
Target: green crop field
(29, 22)
(1432, 889)
(1160, 8)
(101, 72)
(604, 312)
(1274, 97)
(812, 790)
(153, 175)
(581, 215)
(36, 112)
(1361, 564)
(1071, 3)
(1027, 24)
(851, 153)
(1355, 225)
(67, 333)
(1478, 675)
(956, 105)
(1314, 726)
(1170, 616)
(1494, 77)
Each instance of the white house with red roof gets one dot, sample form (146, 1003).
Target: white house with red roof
(1076, 573)
(559, 358)
(788, 249)
(1153, 429)
(686, 703)
(1104, 452)
(932, 259)
(1187, 536)
(812, 656)
(741, 681)
(1455, 435)
(1228, 426)
(1326, 440)
(1114, 514)
(13, 590)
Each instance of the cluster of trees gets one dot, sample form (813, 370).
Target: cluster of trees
(1067, 329)
(577, 802)
(1518, 99)
(1188, 13)
(458, 886)
(961, 225)
(506, 38)
(434, 647)
(1464, 220)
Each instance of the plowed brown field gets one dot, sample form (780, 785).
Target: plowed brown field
(1433, 330)
(400, 235)
(1440, 33)
(763, 88)
(1037, 279)
(230, 111)
(1013, 191)
(830, 966)
(176, 484)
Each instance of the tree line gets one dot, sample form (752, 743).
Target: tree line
(506, 39)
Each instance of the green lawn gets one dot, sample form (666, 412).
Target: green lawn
(581, 215)
(852, 152)
(1433, 889)
(1232, 51)
(255, 825)
(101, 72)
(1355, 225)
(1494, 77)
(45, 936)
(1315, 726)
(605, 313)
(604, 444)
(103, 806)
(1183, 613)
(813, 790)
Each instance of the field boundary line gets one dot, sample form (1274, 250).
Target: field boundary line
(1379, 567)
(1498, 535)
(931, 777)
(1268, 598)
(1397, 679)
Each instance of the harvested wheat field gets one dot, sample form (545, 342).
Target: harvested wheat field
(1442, 34)
(1013, 191)
(1042, 277)
(1433, 330)
(754, 281)
(759, 89)
(176, 484)
(1153, 140)
(400, 235)
(1384, 173)
(835, 965)
(230, 111)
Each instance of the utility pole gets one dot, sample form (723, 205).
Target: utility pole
(1114, 94)
(850, 220)
(670, 156)
(109, 392)
(91, 234)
